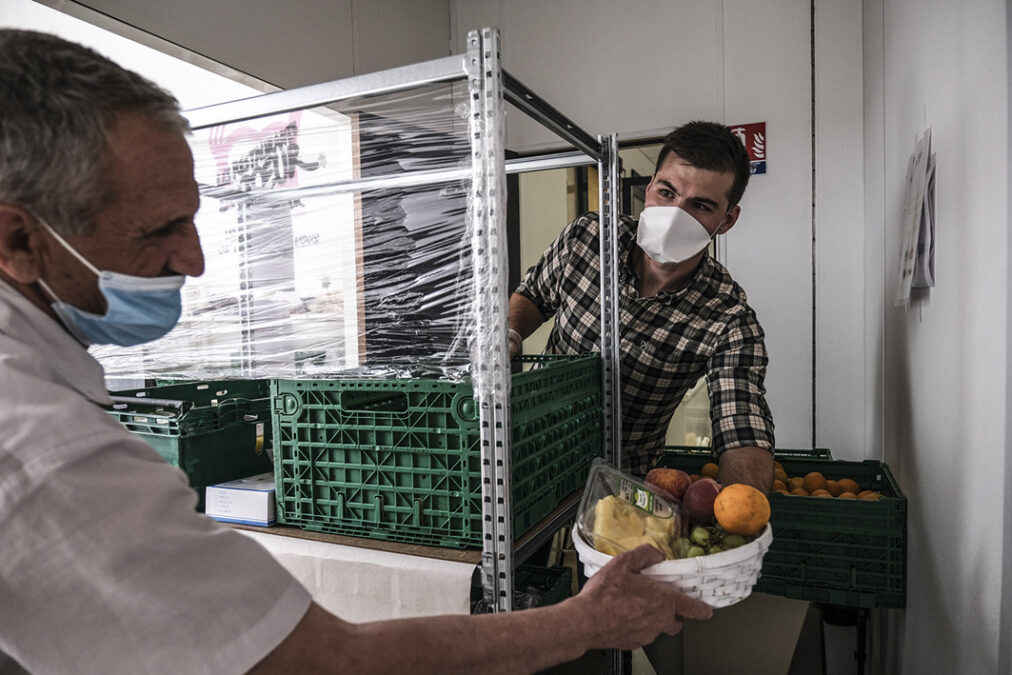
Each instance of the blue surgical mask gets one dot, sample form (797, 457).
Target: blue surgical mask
(138, 309)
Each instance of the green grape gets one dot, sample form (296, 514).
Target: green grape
(734, 540)
(682, 546)
(700, 535)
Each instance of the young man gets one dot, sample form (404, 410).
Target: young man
(105, 567)
(682, 316)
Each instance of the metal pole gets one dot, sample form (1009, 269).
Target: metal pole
(490, 366)
(610, 310)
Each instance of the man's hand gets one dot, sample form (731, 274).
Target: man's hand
(749, 465)
(629, 609)
(516, 343)
(524, 319)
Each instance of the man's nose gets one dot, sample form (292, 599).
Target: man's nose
(188, 258)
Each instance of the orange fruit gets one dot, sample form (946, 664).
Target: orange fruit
(710, 470)
(741, 509)
(814, 481)
(819, 492)
(849, 485)
(778, 465)
(834, 487)
(799, 492)
(694, 477)
(780, 475)
(848, 495)
(796, 482)
(869, 494)
(779, 485)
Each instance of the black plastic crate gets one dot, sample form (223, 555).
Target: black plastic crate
(847, 552)
(533, 586)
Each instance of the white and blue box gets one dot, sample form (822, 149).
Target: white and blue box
(248, 501)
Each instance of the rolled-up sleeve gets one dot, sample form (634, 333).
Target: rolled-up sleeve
(735, 380)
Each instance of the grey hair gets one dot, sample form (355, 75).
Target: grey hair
(58, 102)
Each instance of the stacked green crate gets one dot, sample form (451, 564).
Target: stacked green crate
(213, 431)
(399, 459)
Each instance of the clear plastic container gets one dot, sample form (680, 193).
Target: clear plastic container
(619, 512)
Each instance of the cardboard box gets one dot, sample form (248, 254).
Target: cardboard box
(249, 501)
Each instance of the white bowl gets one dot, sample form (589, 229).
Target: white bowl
(718, 579)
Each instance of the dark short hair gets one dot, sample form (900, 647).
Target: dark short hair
(58, 103)
(710, 146)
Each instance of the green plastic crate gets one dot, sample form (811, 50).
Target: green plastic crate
(399, 459)
(213, 431)
(691, 458)
(844, 552)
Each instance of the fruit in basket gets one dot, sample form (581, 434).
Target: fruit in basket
(710, 470)
(619, 526)
(742, 509)
(706, 540)
(698, 501)
(672, 481)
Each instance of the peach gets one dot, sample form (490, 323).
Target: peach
(672, 481)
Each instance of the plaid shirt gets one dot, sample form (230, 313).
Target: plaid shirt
(667, 342)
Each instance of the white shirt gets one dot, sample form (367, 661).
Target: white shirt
(105, 567)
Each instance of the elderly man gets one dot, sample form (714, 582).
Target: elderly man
(105, 567)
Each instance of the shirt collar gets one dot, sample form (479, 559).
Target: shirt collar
(65, 359)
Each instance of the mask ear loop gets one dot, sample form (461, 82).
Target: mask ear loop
(63, 242)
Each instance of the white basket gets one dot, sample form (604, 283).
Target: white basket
(718, 579)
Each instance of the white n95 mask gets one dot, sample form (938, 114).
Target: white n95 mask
(670, 235)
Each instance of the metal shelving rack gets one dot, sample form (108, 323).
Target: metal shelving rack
(490, 88)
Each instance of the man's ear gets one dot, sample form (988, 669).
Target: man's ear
(20, 242)
(730, 218)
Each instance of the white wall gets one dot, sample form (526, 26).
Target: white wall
(944, 401)
(842, 381)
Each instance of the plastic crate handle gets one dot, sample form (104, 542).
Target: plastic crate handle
(121, 402)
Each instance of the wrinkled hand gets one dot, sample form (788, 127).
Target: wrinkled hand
(629, 609)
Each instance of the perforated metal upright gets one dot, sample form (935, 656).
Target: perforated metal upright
(608, 178)
(490, 367)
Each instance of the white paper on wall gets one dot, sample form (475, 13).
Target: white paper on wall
(917, 250)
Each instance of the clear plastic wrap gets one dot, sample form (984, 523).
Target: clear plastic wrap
(336, 239)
